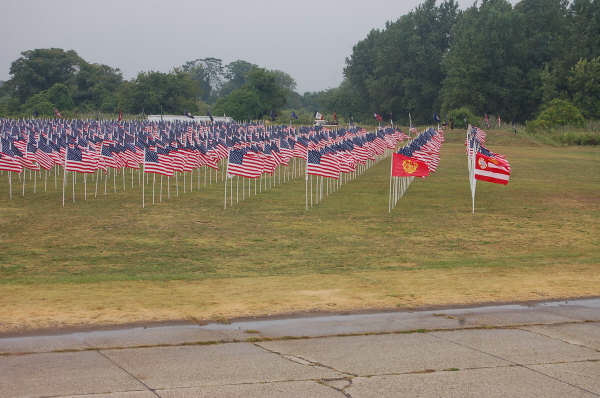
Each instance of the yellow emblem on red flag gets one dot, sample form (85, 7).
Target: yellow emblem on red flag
(410, 166)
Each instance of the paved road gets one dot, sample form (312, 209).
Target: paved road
(541, 350)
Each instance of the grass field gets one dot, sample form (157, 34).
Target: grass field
(108, 261)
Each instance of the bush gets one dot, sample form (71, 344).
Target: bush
(560, 113)
(574, 138)
(38, 103)
(460, 115)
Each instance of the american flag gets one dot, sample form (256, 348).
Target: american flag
(154, 164)
(245, 164)
(107, 159)
(80, 161)
(285, 150)
(477, 134)
(322, 163)
(8, 163)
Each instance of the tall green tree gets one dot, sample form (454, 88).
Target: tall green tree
(265, 84)
(236, 73)
(208, 73)
(96, 86)
(262, 93)
(153, 92)
(481, 69)
(584, 27)
(584, 83)
(399, 69)
(241, 104)
(38, 70)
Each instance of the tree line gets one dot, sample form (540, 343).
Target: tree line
(492, 58)
(43, 80)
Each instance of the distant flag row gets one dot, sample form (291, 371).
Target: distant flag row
(167, 148)
(328, 154)
(336, 163)
(419, 158)
(483, 164)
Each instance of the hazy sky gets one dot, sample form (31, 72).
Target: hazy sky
(309, 39)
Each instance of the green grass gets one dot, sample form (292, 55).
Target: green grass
(547, 215)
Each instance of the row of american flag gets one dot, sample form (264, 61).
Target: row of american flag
(249, 150)
(418, 158)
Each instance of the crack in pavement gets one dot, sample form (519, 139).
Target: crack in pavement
(308, 362)
(517, 364)
(128, 372)
(342, 390)
(539, 333)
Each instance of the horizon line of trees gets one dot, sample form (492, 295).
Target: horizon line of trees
(43, 80)
(491, 58)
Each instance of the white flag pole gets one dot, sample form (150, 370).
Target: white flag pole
(471, 156)
(225, 202)
(390, 198)
(97, 178)
(64, 176)
(143, 182)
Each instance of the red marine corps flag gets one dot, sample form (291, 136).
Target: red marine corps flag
(404, 166)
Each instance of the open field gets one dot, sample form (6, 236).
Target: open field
(107, 260)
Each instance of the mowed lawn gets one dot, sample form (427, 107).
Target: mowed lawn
(108, 261)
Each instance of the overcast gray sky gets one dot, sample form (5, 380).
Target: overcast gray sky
(309, 39)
